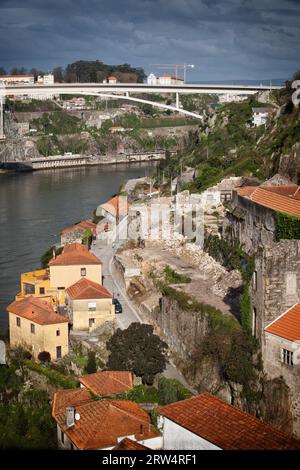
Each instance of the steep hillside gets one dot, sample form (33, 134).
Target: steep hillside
(226, 143)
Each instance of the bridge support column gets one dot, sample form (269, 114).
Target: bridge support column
(177, 100)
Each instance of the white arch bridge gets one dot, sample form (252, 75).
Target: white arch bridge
(123, 91)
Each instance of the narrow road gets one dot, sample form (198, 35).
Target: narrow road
(105, 252)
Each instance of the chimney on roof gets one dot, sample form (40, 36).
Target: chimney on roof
(53, 253)
(70, 416)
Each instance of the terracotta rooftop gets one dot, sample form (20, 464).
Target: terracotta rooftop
(86, 289)
(36, 310)
(14, 76)
(75, 254)
(108, 382)
(287, 325)
(116, 206)
(226, 426)
(101, 422)
(84, 225)
(129, 444)
(285, 199)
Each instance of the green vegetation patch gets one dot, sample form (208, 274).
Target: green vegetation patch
(55, 378)
(171, 390)
(58, 123)
(287, 227)
(172, 277)
(217, 321)
(230, 255)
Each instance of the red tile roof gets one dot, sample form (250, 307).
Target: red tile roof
(129, 444)
(84, 225)
(13, 76)
(226, 426)
(36, 310)
(86, 289)
(283, 199)
(287, 325)
(75, 254)
(116, 206)
(101, 422)
(108, 382)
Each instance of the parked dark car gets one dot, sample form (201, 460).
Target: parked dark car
(118, 306)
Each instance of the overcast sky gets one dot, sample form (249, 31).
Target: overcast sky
(225, 39)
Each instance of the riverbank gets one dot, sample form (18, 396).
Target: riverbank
(73, 161)
(36, 206)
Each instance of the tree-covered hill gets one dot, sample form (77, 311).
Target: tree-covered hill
(96, 71)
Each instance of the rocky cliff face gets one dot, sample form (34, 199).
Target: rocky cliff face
(289, 165)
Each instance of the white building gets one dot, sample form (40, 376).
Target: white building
(232, 98)
(112, 80)
(27, 79)
(260, 116)
(47, 79)
(152, 79)
(205, 422)
(168, 79)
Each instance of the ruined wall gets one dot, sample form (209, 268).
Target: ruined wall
(277, 288)
(249, 223)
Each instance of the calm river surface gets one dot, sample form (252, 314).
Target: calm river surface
(35, 207)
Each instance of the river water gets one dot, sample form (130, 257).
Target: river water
(35, 207)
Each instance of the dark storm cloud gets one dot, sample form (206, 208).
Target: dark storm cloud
(224, 38)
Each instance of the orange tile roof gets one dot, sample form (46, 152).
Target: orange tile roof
(112, 78)
(36, 310)
(86, 289)
(108, 382)
(284, 199)
(287, 325)
(129, 444)
(84, 225)
(13, 76)
(101, 422)
(284, 190)
(226, 426)
(75, 254)
(116, 206)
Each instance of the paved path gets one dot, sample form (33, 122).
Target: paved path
(130, 313)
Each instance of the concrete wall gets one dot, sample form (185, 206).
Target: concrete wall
(44, 338)
(79, 313)
(176, 437)
(66, 276)
(273, 364)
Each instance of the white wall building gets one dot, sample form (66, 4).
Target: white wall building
(205, 422)
(17, 79)
(260, 116)
(168, 79)
(152, 79)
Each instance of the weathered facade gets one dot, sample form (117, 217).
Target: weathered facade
(275, 287)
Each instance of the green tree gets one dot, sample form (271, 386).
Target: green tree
(171, 390)
(91, 365)
(139, 350)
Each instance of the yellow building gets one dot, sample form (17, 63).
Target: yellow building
(89, 305)
(37, 284)
(34, 325)
(74, 263)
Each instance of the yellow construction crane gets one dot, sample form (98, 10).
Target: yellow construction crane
(175, 67)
